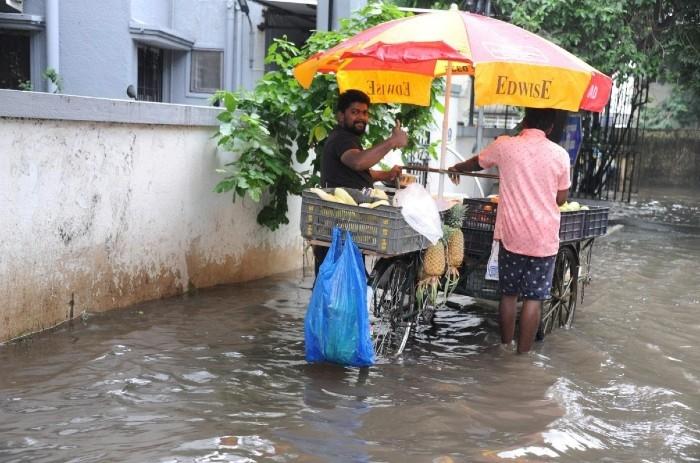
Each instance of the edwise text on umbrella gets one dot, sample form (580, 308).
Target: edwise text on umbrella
(381, 88)
(505, 86)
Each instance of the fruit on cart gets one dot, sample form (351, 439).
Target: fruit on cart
(379, 194)
(407, 179)
(381, 202)
(433, 269)
(493, 198)
(571, 207)
(324, 195)
(344, 197)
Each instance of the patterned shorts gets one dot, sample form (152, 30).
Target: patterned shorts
(526, 276)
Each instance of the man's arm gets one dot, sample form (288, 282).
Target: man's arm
(385, 175)
(562, 196)
(364, 159)
(470, 165)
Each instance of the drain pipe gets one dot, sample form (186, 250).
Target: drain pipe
(330, 15)
(52, 40)
(228, 45)
(238, 66)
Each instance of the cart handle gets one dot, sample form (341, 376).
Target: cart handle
(420, 168)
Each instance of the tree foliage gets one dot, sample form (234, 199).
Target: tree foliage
(651, 40)
(273, 129)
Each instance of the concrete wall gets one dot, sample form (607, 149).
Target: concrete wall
(669, 158)
(106, 213)
(96, 50)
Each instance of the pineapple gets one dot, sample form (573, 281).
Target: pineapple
(455, 245)
(434, 260)
(433, 268)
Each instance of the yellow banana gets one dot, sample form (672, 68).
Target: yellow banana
(324, 196)
(379, 194)
(381, 202)
(344, 197)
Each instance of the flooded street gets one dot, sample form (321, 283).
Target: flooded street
(220, 376)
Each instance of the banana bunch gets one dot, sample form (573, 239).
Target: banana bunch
(341, 196)
(572, 207)
(378, 194)
(381, 202)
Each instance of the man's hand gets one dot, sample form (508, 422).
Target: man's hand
(394, 173)
(454, 177)
(386, 175)
(398, 137)
(470, 165)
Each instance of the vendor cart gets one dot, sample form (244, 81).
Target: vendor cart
(397, 252)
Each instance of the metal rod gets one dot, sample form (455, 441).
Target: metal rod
(420, 168)
(445, 126)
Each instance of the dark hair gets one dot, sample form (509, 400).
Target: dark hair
(349, 97)
(539, 118)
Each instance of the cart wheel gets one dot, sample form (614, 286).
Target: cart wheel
(393, 287)
(559, 310)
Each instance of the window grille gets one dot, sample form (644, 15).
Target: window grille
(150, 74)
(14, 60)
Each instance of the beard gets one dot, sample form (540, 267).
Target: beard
(357, 128)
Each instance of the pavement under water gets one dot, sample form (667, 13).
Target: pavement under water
(220, 375)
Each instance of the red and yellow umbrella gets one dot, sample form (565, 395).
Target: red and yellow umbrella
(396, 62)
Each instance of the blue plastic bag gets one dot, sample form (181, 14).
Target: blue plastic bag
(336, 327)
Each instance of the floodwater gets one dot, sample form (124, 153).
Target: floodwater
(219, 376)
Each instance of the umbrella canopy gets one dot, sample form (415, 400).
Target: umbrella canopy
(396, 62)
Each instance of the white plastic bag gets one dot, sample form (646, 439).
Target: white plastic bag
(492, 266)
(420, 211)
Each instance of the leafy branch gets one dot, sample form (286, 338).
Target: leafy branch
(273, 130)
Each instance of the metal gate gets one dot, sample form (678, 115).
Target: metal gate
(606, 165)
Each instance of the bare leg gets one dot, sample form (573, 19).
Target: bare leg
(529, 322)
(506, 318)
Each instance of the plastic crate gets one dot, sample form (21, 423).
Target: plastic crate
(478, 218)
(472, 283)
(571, 225)
(477, 243)
(382, 230)
(596, 221)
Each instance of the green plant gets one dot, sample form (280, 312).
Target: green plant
(25, 85)
(273, 129)
(54, 77)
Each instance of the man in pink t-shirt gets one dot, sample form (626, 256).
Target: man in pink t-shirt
(534, 181)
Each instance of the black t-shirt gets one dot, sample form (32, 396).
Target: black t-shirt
(333, 172)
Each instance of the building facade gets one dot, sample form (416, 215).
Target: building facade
(172, 51)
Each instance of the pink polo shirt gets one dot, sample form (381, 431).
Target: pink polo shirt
(532, 169)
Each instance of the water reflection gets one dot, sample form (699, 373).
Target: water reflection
(220, 376)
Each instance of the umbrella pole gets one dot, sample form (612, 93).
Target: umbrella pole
(445, 128)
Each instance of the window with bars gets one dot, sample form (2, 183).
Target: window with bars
(150, 74)
(206, 71)
(14, 60)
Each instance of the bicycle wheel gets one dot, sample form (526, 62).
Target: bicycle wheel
(393, 297)
(559, 310)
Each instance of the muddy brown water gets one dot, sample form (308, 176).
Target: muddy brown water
(220, 375)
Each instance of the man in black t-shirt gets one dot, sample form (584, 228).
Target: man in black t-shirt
(344, 163)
